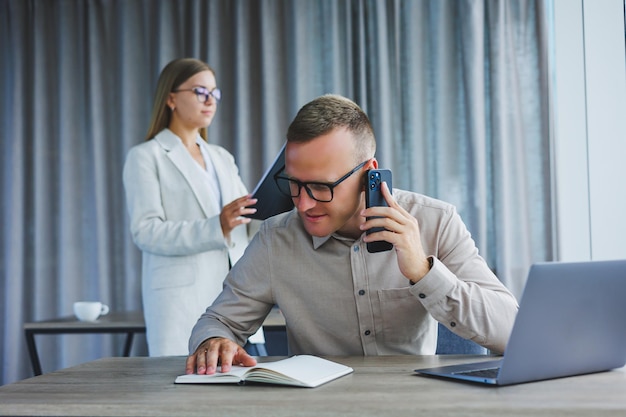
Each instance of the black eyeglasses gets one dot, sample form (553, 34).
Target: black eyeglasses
(203, 94)
(318, 191)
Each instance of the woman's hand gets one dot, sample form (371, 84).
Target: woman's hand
(232, 213)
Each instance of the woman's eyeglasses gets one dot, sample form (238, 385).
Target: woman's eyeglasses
(203, 94)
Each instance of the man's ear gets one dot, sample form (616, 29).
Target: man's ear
(372, 164)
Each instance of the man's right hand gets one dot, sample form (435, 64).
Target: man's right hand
(217, 351)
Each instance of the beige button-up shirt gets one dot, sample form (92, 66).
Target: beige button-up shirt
(338, 299)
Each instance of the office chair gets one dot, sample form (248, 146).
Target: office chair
(449, 343)
(255, 349)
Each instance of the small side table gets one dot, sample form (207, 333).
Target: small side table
(129, 322)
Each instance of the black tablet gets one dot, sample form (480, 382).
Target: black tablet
(271, 200)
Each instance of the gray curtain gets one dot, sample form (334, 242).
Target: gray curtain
(456, 91)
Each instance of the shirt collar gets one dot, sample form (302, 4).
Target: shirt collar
(319, 241)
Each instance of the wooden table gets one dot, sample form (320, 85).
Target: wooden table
(379, 386)
(129, 322)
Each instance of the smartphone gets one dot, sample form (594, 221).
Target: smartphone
(374, 197)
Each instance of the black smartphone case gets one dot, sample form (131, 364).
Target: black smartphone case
(373, 198)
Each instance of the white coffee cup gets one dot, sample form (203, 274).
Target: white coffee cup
(90, 310)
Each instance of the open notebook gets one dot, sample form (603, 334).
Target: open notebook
(570, 322)
(300, 370)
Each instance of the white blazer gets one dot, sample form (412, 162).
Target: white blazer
(185, 257)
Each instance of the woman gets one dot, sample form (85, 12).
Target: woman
(186, 202)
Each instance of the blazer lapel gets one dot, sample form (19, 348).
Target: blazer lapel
(179, 156)
(223, 171)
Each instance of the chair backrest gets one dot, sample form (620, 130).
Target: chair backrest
(449, 343)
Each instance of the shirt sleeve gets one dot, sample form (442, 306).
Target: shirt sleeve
(462, 293)
(245, 301)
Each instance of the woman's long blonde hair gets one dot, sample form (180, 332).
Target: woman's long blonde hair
(173, 75)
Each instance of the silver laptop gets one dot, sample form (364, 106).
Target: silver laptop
(571, 321)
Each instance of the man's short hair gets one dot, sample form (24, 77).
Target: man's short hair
(329, 112)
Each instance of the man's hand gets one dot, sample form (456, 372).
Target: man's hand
(231, 215)
(402, 231)
(216, 351)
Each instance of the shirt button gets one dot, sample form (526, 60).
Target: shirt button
(367, 333)
(422, 295)
(361, 292)
(452, 324)
(356, 248)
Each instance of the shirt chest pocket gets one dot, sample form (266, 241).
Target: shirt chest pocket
(402, 317)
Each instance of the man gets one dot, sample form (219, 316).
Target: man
(337, 298)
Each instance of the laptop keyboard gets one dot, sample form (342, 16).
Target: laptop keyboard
(481, 373)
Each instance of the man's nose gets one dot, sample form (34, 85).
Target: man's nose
(304, 201)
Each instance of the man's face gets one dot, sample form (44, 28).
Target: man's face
(326, 159)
